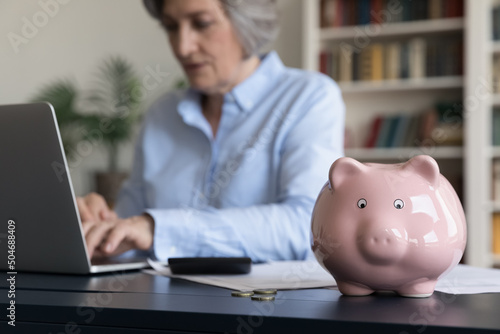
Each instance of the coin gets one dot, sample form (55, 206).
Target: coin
(263, 298)
(265, 291)
(241, 293)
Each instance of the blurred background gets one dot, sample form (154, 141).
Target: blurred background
(417, 76)
(49, 41)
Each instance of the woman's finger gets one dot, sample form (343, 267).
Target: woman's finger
(116, 236)
(97, 206)
(85, 214)
(96, 235)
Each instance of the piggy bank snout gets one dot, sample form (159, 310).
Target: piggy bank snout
(382, 245)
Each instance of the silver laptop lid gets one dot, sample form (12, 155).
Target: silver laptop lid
(36, 193)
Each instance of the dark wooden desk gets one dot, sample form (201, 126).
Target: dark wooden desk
(138, 302)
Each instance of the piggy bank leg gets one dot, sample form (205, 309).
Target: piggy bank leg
(419, 289)
(353, 289)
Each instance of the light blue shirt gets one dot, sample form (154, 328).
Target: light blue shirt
(250, 190)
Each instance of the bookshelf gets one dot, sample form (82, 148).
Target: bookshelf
(492, 152)
(448, 82)
(411, 28)
(472, 161)
(401, 153)
(495, 99)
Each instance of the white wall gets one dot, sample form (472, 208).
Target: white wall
(71, 37)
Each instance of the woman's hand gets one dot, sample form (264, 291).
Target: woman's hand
(93, 207)
(106, 234)
(109, 238)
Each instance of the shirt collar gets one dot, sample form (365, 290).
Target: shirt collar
(249, 92)
(246, 94)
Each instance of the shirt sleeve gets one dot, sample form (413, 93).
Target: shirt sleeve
(131, 198)
(276, 231)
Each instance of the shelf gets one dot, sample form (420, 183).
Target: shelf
(495, 100)
(494, 152)
(404, 153)
(450, 82)
(496, 259)
(393, 29)
(494, 206)
(495, 47)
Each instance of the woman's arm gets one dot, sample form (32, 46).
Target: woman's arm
(275, 231)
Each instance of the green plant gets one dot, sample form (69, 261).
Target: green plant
(63, 95)
(112, 108)
(115, 101)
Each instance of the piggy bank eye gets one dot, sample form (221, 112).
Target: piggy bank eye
(362, 203)
(399, 204)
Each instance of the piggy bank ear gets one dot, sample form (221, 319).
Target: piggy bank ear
(424, 166)
(342, 169)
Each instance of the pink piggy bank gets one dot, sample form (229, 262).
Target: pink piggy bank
(388, 227)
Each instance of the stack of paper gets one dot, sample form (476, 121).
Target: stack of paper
(291, 275)
(283, 275)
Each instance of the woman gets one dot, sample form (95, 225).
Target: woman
(231, 166)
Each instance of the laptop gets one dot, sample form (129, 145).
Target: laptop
(37, 202)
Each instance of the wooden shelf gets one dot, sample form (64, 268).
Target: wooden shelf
(393, 29)
(404, 153)
(433, 83)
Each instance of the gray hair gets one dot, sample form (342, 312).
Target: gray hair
(255, 21)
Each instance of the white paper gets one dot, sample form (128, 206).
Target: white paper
(291, 275)
(465, 279)
(283, 275)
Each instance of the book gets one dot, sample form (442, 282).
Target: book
(496, 233)
(355, 66)
(404, 60)
(375, 127)
(401, 131)
(432, 69)
(435, 9)
(411, 138)
(417, 57)
(323, 55)
(323, 14)
(419, 10)
(371, 65)
(351, 13)
(363, 12)
(393, 125)
(496, 23)
(338, 21)
(495, 189)
(448, 58)
(496, 127)
(330, 12)
(392, 63)
(407, 10)
(345, 62)
(377, 61)
(333, 64)
(428, 122)
(377, 6)
(453, 8)
(495, 84)
(384, 132)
